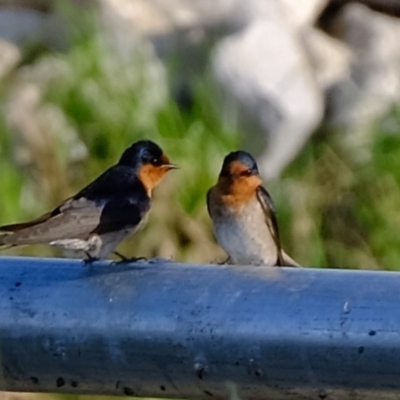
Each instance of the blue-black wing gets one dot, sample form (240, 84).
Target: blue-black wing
(110, 203)
(268, 207)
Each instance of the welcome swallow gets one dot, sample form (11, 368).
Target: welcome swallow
(243, 214)
(93, 222)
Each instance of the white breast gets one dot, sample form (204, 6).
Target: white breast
(97, 246)
(111, 240)
(245, 236)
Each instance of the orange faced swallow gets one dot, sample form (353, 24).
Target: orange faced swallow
(94, 221)
(243, 214)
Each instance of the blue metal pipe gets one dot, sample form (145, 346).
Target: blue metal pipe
(201, 332)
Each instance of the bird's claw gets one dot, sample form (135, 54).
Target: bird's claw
(90, 260)
(159, 260)
(128, 259)
(224, 262)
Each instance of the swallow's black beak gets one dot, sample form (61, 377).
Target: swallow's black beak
(170, 166)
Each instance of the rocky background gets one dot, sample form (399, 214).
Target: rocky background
(282, 67)
(311, 87)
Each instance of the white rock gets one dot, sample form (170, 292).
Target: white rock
(37, 127)
(264, 74)
(154, 17)
(331, 59)
(374, 84)
(160, 17)
(259, 61)
(133, 49)
(10, 55)
(303, 13)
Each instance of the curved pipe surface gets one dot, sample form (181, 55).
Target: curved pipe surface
(201, 332)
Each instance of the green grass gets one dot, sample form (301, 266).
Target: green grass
(337, 205)
(93, 99)
(344, 206)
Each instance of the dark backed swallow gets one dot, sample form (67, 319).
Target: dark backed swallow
(93, 222)
(243, 214)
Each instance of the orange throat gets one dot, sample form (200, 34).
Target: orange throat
(237, 191)
(151, 176)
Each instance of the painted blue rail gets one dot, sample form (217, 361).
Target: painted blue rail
(201, 332)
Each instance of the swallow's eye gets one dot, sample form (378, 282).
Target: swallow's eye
(156, 161)
(247, 172)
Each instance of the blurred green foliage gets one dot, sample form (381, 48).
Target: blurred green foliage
(343, 199)
(91, 97)
(337, 203)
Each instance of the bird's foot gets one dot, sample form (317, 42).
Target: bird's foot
(90, 259)
(125, 259)
(159, 260)
(224, 262)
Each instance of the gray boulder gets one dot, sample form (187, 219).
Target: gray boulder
(268, 81)
(373, 83)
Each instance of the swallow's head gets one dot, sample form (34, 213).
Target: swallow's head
(239, 170)
(149, 161)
